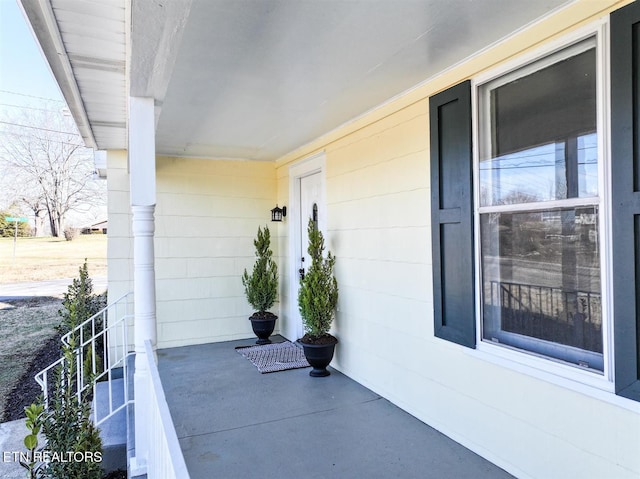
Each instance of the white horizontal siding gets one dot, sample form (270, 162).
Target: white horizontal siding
(207, 216)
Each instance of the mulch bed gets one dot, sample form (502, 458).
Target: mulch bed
(27, 389)
(119, 474)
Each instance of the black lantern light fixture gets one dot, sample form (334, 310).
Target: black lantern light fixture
(278, 213)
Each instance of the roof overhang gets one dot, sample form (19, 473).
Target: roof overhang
(85, 46)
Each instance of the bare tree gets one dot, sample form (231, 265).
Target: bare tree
(37, 207)
(44, 153)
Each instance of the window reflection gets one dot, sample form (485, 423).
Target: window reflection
(540, 173)
(541, 278)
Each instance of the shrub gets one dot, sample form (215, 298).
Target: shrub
(35, 413)
(68, 427)
(80, 303)
(261, 286)
(8, 228)
(318, 294)
(70, 233)
(67, 424)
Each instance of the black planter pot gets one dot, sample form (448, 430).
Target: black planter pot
(263, 326)
(319, 356)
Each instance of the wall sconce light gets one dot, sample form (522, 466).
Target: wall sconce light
(278, 213)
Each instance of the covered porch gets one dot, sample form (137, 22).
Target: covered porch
(212, 113)
(232, 421)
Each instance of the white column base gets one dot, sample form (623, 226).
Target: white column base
(137, 468)
(145, 325)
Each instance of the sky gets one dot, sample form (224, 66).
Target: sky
(26, 81)
(24, 72)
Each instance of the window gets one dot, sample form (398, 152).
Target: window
(527, 217)
(539, 209)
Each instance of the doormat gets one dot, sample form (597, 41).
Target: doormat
(270, 358)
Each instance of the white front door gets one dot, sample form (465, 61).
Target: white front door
(310, 195)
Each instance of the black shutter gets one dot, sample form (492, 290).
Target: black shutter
(625, 192)
(452, 215)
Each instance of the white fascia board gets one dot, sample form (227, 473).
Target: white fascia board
(44, 27)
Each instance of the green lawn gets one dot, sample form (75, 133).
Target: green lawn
(39, 259)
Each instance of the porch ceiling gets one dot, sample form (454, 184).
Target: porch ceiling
(256, 79)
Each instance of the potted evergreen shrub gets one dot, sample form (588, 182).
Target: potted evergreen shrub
(317, 301)
(261, 287)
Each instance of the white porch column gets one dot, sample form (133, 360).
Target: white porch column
(142, 168)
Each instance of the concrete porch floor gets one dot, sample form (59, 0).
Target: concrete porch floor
(234, 422)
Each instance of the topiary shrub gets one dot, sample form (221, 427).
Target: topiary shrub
(318, 294)
(261, 286)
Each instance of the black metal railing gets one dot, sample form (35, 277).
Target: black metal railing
(573, 318)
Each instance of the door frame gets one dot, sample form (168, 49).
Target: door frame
(313, 164)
